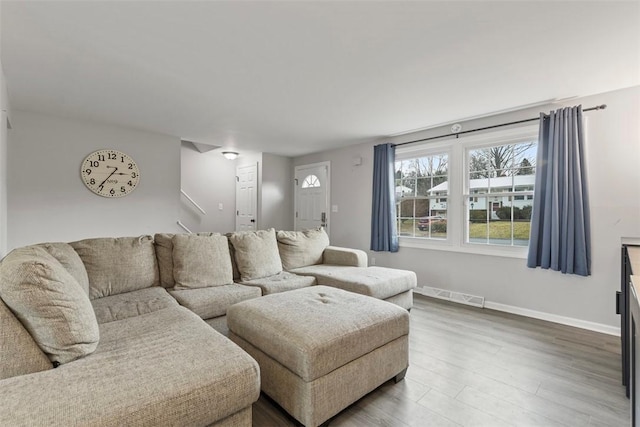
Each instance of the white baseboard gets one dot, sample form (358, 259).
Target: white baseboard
(569, 321)
(563, 320)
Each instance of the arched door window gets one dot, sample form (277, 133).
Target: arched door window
(310, 181)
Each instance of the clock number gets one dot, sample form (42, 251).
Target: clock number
(94, 164)
(121, 159)
(131, 166)
(112, 191)
(92, 181)
(87, 171)
(100, 187)
(130, 184)
(133, 175)
(112, 156)
(101, 157)
(122, 189)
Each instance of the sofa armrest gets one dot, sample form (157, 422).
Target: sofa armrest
(335, 255)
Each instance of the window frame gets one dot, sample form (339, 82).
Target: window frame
(458, 198)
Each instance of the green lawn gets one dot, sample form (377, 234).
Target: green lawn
(497, 230)
(500, 230)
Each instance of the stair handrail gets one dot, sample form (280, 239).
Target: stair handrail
(184, 227)
(192, 201)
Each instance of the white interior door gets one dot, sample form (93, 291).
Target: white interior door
(312, 196)
(246, 197)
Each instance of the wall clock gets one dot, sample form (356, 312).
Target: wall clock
(110, 173)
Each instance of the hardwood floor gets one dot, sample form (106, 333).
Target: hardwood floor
(475, 367)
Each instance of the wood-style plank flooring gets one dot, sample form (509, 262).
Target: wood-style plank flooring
(478, 367)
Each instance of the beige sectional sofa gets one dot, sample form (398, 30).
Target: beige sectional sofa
(126, 323)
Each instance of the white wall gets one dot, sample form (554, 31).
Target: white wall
(47, 201)
(276, 192)
(4, 107)
(209, 179)
(613, 157)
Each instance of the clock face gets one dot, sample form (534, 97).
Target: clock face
(110, 173)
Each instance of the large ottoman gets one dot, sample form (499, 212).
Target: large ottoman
(320, 348)
(389, 284)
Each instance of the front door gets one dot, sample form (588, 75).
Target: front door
(246, 197)
(312, 196)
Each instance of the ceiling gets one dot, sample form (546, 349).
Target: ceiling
(292, 78)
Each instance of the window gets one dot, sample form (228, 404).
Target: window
(421, 196)
(310, 181)
(469, 194)
(502, 176)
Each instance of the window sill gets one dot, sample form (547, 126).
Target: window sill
(476, 249)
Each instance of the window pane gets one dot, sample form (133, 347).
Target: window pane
(496, 216)
(421, 196)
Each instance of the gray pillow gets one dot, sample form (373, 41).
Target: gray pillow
(50, 303)
(118, 265)
(70, 260)
(256, 253)
(164, 254)
(302, 248)
(201, 261)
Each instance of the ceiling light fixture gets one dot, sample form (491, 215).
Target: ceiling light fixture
(231, 155)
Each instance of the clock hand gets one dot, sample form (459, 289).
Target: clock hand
(110, 175)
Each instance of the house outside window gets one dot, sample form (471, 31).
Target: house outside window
(469, 194)
(421, 212)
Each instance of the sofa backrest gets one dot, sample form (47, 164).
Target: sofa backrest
(118, 265)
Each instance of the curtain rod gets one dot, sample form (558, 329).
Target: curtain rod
(597, 107)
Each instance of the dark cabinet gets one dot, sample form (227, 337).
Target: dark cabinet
(628, 307)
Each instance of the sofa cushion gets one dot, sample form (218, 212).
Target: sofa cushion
(50, 304)
(117, 265)
(214, 301)
(377, 282)
(19, 353)
(256, 253)
(301, 248)
(164, 368)
(201, 261)
(131, 304)
(164, 254)
(281, 282)
(70, 260)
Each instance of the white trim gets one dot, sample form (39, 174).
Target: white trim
(519, 252)
(563, 320)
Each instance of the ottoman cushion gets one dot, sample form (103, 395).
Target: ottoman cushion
(377, 282)
(312, 331)
(281, 282)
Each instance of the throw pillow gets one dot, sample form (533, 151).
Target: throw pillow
(118, 265)
(50, 303)
(302, 248)
(164, 254)
(256, 253)
(70, 260)
(201, 261)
